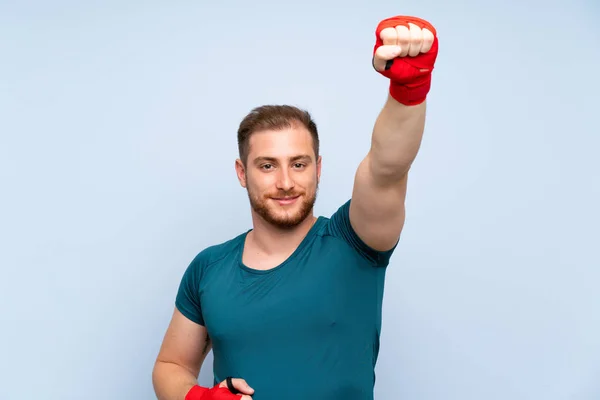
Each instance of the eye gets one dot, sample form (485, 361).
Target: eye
(299, 165)
(266, 166)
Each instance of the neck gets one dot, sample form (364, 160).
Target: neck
(272, 240)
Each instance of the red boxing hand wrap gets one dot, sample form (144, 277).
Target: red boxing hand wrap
(410, 77)
(215, 393)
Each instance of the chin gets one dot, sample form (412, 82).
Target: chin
(288, 217)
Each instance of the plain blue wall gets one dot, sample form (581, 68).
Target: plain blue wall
(117, 149)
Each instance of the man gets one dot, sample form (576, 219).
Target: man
(292, 307)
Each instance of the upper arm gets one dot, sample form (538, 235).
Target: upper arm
(186, 343)
(377, 210)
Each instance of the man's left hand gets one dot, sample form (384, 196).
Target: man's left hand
(401, 41)
(405, 52)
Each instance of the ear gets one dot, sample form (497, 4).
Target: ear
(319, 159)
(241, 172)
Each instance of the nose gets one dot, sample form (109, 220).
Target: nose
(285, 181)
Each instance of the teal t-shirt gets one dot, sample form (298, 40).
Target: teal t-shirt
(306, 329)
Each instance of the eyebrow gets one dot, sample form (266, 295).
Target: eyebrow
(304, 157)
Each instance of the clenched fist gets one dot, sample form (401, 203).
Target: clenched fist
(405, 52)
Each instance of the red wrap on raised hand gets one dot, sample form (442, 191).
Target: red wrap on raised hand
(214, 393)
(410, 77)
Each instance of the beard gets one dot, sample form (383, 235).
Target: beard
(277, 216)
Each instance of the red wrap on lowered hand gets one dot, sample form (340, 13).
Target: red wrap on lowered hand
(410, 77)
(214, 393)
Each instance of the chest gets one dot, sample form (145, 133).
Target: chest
(314, 294)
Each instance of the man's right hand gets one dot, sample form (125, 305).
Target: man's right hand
(222, 391)
(242, 386)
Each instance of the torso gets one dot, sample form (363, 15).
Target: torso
(301, 327)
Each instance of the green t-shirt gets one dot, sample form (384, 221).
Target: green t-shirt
(306, 329)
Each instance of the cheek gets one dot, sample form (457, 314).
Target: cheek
(259, 182)
(307, 178)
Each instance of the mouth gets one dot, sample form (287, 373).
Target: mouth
(283, 201)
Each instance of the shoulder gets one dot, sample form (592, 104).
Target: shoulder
(339, 226)
(336, 222)
(215, 253)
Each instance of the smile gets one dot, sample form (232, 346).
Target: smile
(286, 200)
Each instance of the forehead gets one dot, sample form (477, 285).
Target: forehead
(282, 143)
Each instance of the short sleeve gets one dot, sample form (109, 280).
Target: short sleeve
(340, 227)
(188, 296)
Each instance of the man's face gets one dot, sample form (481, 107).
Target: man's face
(281, 175)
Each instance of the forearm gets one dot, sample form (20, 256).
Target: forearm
(172, 381)
(396, 139)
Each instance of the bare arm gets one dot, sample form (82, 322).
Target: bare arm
(377, 211)
(180, 358)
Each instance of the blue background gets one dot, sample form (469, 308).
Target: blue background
(117, 149)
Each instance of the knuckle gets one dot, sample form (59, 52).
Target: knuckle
(404, 38)
(401, 29)
(388, 34)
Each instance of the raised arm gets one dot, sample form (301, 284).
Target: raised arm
(406, 51)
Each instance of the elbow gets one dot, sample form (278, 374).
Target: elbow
(156, 380)
(389, 172)
(157, 374)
